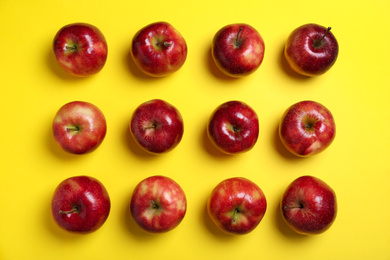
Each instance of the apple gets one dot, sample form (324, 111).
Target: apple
(156, 126)
(79, 127)
(80, 49)
(158, 204)
(80, 204)
(309, 205)
(158, 49)
(307, 128)
(311, 50)
(238, 49)
(233, 127)
(237, 205)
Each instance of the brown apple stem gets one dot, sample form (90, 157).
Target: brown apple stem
(153, 126)
(167, 44)
(74, 209)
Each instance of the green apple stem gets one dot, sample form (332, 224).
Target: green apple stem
(319, 42)
(74, 209)
(235, 215)
(73, 128)
(238, 39)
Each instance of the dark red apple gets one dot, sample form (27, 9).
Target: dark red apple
(158, 204)
(238, 49)
(307, 128)
(311, 49)
(79, 127)
(158, 49)
(80, 49)
(309, 205)
(157, 126)
(233, 127)
(237, 205)
(80, 204)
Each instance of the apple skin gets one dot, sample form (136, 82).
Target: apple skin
(309, 206)
(156, 126)
(80, 204)
(307, 128)
(158, 49)
(79, 127)
(158, 204)
(233, 127)
(307, 53)
(80, 49)
(237, 205)
(238, 50)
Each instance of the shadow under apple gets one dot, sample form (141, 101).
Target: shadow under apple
(212, 228)
(129, 63)
(287, 69)
(130, 224)
(281, 149)
(133, 147)
(214, 70)
(284, 229)
(210, 148)
(58, 71)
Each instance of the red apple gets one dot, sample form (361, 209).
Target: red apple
(159, 49)
(80, 49)
(237, 205)
(80, 204)
(158, 204)
(238, 49)
(309, 205)
(79, 127)
(233, 127)
(157, 126)
(311, 49)
(307, 128)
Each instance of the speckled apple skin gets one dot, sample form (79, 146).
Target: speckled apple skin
(164, 192)
(309, 205)
(90, 197)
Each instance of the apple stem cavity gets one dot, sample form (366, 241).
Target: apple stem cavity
(319, 42)
(75, 209)
(155, 205)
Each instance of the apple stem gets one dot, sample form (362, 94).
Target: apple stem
(70, 47)
(235, 215)
(153, 126)
(238, 40)
(319, 42)
(74, 209)
(73, 128)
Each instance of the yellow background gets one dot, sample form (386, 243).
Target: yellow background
(356, 165)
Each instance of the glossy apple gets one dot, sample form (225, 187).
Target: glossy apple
(158, 49)
(309, 205)
(158, 204)
(237, 205)
(79, 127)
(80, 49)
(157, 126)
(307, 128)
(80, 204)
(311, 49)
(238, 49)
(233, 127)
